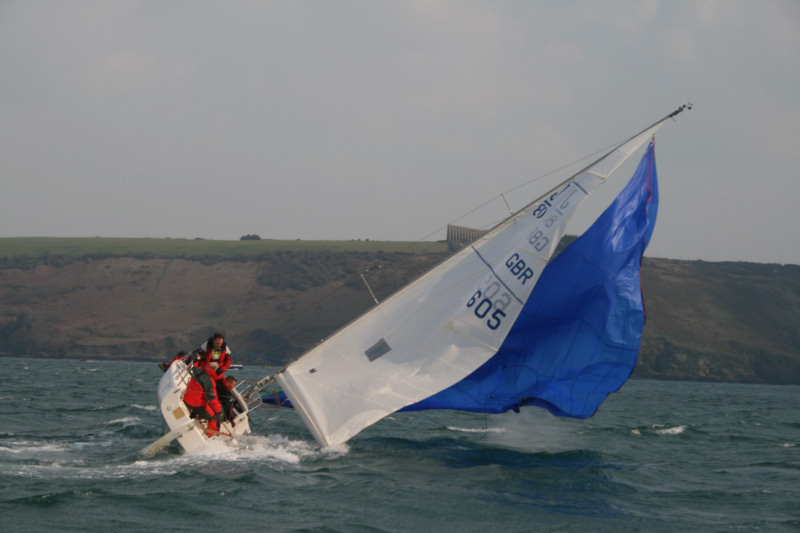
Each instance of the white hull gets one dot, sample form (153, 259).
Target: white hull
(191, 434)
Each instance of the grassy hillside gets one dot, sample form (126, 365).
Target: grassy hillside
(148, 298)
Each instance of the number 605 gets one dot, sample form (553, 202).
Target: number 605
(483, 307)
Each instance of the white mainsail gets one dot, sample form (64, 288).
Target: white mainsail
(442, 327)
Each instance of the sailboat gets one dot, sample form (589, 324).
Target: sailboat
(499, 325)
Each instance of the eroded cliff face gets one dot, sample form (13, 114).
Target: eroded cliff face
(710, 321)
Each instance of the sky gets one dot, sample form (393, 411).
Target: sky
(386, 120)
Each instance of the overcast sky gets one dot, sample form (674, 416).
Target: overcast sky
(385, 120)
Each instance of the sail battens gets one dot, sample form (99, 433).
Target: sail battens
(578, 185)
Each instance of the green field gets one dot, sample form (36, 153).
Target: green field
(79, 246)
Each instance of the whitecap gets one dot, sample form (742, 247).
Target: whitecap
(477, 430)
(127, 421)
(144, 407)
(677, 430)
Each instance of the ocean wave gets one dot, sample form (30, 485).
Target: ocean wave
(77, 461)
(84, 445)
(60, 469)
(57, 452)
(32, 447)
(127, 421)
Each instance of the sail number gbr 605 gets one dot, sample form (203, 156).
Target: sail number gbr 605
(483, 307)
(490, 302)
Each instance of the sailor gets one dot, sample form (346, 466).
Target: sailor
(214, 350)
(226, 399)
(216, 354)
(201, 397)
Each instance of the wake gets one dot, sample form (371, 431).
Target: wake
(275, 447)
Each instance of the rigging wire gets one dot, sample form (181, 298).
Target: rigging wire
(607, 150)
(535, 179)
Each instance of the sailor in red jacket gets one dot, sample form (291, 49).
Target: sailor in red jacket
(214, 350)
(201, 397)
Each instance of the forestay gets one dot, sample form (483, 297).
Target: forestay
(442, 327)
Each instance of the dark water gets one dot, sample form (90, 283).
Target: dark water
(658, 456)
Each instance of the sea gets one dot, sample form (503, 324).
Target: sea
(657, 456)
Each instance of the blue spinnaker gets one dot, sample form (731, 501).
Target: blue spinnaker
(578, 336)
